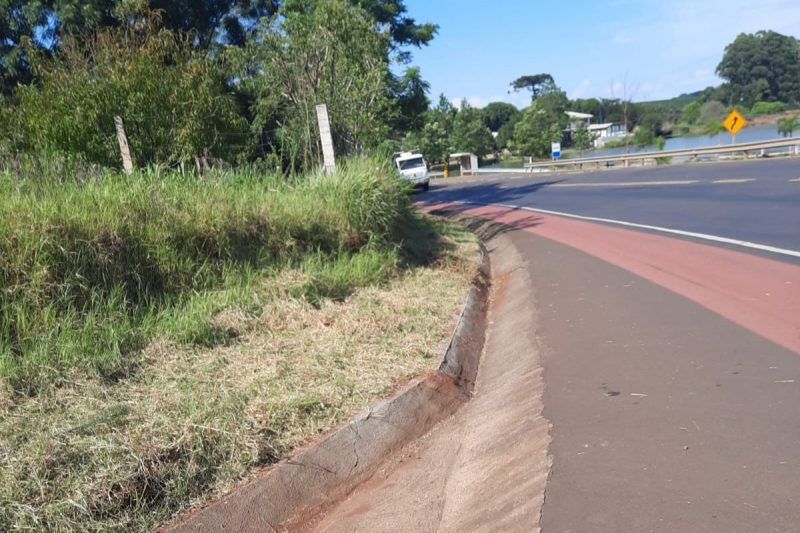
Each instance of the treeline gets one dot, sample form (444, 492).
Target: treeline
(762, 73)
(500, 126)
(228, 80)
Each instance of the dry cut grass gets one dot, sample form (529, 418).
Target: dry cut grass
(192, 422)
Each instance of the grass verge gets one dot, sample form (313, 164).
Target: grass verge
(90, 271)
(241, 364)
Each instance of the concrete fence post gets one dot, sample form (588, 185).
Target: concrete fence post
(124, 149)
(329, 159)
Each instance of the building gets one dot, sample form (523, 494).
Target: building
(602, 132)
(606, 132)
(576, 119)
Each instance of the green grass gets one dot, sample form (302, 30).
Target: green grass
(163, 336)
(247, 371)
(91, 270)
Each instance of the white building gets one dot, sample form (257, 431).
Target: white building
(602, 132)
(606, 132)
(576, 119)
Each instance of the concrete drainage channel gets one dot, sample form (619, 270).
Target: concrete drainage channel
(297, 489)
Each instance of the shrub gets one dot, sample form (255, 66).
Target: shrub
(172, 100)
(767, 108)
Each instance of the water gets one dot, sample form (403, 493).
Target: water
(746, 135)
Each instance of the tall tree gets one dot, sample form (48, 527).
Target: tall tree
(222, 21)
(43, 23)
(171, 96)
(18, 22)
(390, 16)
(434, 140)
(535, 131)
(537, 84)
(469, 132)
(762, 66)
(498, 114)
(328, 52)
(411, 94)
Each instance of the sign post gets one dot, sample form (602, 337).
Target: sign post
(555, 149)
(733, 123)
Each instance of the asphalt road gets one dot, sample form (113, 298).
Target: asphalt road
(665, 416)
(673, 402)
(756, 200)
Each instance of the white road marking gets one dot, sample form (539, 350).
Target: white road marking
(703, 236)
(625, 183)
(796, 179)
(735, 180)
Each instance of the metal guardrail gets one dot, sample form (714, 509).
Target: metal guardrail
(642, 156)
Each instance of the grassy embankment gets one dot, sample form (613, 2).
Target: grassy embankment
(162, 336)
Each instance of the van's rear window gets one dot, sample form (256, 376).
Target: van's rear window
(411, 163)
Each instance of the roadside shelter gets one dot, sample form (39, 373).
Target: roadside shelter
(467, 162)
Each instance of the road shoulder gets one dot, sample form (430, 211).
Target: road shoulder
(485, 469)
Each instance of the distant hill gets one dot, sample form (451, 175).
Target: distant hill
(672, 104)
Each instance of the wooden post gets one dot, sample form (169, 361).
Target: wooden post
(329, 159)
(124, 149)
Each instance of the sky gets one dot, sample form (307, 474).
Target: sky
(636, 49)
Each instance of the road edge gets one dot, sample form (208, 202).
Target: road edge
(320, 475)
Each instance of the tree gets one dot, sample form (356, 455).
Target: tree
(506, 134)
(498, 114)
(763, 66)
(555, 104)
(690, 113)
(329, 53)
(43, 24)
(172, 99)
(410, 91)
(18, 21)
(787, 125)
(643, 136)
(582, 138)
(535, 131)
(389, 16)
(469, 132)
(711, 111)
(432, 141)
(537, 84)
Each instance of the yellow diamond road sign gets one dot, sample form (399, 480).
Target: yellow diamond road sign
(734, 122)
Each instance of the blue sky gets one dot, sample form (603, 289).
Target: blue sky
(642, 49)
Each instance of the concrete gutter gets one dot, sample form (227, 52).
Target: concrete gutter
(302, 486)
(484, 469)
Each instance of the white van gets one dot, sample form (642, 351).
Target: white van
(412, 166)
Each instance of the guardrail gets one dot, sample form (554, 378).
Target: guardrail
(626, 159)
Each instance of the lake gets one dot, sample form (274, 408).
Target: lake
(746, 135)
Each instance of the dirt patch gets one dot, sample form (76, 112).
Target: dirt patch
(765, 120)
